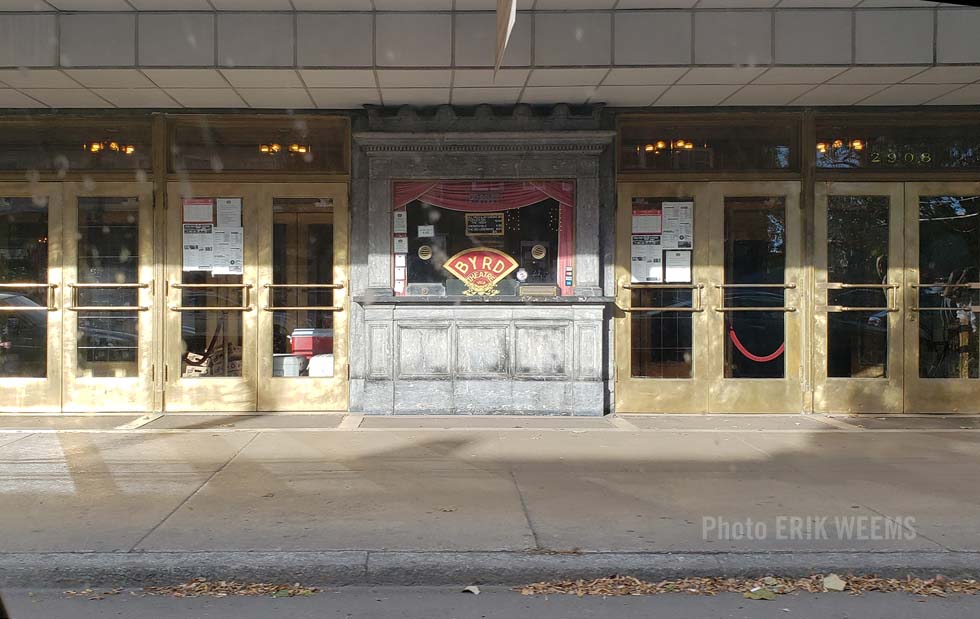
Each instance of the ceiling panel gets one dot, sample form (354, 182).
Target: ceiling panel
(171, 5)
(332, 5)
(876, 75)
(414, 78)
(66, 97)
(278, 98)
(494, 96)
(415, 96)
(767, 94)
(25, 5)
(90, 5)
(644, 76)
(629, 96)
(137, 97)
(338, 78)
(909, 94)
(557, 94)
(798, 75)
(345, 98)
(486, 78)
(565, 5)
(12, 98)
(566, 77)
(413, 5)
(965, 95)
(947, 75)
(206, 97)
(36, 78)
(656, 4)
(489, 5)
(721, 75)
(262, 78)
(252, 5)
(696, 95)
(186, 78)
(110, 78)
(838, 94)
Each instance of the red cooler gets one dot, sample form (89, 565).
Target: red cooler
(311, 342)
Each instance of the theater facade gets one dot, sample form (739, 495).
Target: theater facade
(645, 248)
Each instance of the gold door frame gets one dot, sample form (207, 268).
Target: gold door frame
(211, 394)
(109, 394)
(930, 395)
(860, 395)
(757, 395)
(661, 395)
(41, 395)
(306, 393)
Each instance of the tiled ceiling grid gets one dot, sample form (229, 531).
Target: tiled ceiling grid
(113, 54)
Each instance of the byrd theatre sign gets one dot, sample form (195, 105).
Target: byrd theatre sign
(481, 268)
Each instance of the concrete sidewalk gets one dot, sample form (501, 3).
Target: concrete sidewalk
(499, 500)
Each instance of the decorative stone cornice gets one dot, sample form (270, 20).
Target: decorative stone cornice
(379, 143)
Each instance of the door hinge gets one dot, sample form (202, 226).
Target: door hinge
(166, 372)
(348, 372)
(153, 373)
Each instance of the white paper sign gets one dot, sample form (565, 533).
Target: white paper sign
(229, 251)
(426, 232)
(677, 266)
(399, 260)
(198, 245)
(646, 258)
(401, 244)
(198, 210)
(678, 225)
(229, 213)
(399, 273)
(399, 223)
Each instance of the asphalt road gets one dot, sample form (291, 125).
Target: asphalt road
(492, 603)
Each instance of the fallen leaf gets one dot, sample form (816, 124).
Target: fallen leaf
(833, 582)
(759, 593)
(471, 589)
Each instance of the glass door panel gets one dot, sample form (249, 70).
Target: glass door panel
(302, 325)
(109, 278)
(858, 356)
(30, 317)
(662, 346)
(756, 325)
(211, 322)
(943, 354)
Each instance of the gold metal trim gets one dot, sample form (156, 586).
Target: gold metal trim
(755, 309)
(325, 286)
(74, 307)
(246, 305)
(291, 308)
(784, 286)
(51, 307)
(698, 307)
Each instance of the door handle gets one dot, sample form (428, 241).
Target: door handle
(246, 305)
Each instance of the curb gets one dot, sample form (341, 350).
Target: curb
(453, 568)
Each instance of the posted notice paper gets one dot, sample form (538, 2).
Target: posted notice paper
(677, 266)
(646, 258)
(198, 245)
(229, 251)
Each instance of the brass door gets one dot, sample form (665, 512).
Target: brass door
(210, 326)
(717, 326)
(663, 345)
(302, 297)
(30, 297)
(109, 297)
(858, 298)
(943, 297)
(756, 279)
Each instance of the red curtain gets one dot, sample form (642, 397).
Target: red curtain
(489, 196)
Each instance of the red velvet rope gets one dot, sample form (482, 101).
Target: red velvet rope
(741, 348)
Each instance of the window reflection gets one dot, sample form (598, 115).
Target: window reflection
(949, 257)
(23, 308)
(755, 264)
(857, 254)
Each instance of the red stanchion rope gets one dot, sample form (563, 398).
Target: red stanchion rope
(742, 349)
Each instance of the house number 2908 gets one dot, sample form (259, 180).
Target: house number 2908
(891, 157)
